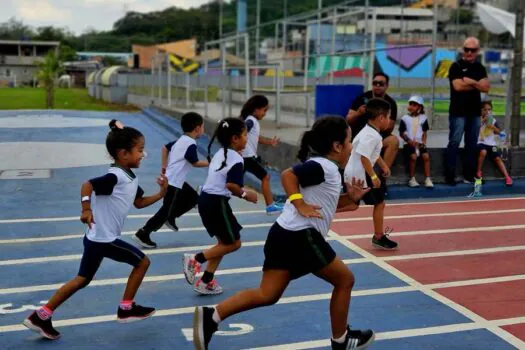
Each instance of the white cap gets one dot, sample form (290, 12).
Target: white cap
(417, 99)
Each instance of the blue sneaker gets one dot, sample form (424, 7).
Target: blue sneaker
(274, 209)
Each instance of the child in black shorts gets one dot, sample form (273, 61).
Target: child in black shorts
(225, 178)
(254, 110)
(115, 193)
(366, 152)
(296, 245)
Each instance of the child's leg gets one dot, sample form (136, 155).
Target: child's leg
(267, 192)
(273, 284)
(214, 256)
(160, 217)
(378, 216)
(66, 291)
(412, 165)
(135, 279)
(501, 166)
(426, 164)
(481, 159)
(338, 275)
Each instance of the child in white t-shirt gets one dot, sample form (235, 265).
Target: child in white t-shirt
(487, 144)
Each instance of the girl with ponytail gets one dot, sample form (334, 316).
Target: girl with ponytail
(225, 178)
(296, 245)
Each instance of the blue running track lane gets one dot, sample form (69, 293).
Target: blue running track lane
(41, 245)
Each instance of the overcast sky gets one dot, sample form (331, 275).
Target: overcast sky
(78, 15)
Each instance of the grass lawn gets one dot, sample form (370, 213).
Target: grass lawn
(77, 99)
(442, 106)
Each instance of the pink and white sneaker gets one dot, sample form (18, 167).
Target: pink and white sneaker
(211, 288)
(191, 267)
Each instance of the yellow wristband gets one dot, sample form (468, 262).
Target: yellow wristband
(374, 177)
(295, 196)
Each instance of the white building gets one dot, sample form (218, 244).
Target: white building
(394, 20)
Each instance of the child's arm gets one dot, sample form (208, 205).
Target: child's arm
(143, 202)
(382, 164)
(370, 171)
(164, 159)
(234, 184)
(201, 163)
(269, 141)
(424, 138)
(192, 157)
(290, 183)
(349, 201)
(87, 215)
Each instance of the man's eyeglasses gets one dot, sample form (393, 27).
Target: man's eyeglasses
(470, 49)
(378, 83)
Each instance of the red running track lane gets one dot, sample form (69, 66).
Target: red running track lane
(430, 223)
(516, 329)
(430, 207)
(492, 301)
(448, 242)
(459, 268)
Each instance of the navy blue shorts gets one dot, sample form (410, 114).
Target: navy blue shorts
(253, 165)
(218, 219)
(95, 252)
(492, 151)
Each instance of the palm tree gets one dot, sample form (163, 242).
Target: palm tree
(47, 75)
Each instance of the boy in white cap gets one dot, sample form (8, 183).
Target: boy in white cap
(413, 129)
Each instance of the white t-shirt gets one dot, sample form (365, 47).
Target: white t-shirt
(112, 198)
(367, 143)
(414, 127)
(488, 136)
(254, 131)
(233, 172)
(182, 154)
(320, 184)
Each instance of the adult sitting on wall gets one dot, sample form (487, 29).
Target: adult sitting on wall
(357, 117)
(468, 79)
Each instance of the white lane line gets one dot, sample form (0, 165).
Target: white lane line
(157, 278)
(189, 310)
(476, 281)
(406, 333)
(46, 259)
(247, 226)
(483, 323)
(247, 212)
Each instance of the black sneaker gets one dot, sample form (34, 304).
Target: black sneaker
(43, 327)
(384, 243)
(142, 237)
(136, 313)
(355, 340)
(203, 327)
(172, 225)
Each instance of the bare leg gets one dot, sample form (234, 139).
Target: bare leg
(501, 166)
(214, 254)
(338, 275)
(378, 215)
(412, 165)
(426, 164)
(66, 291)
(390, 148)
(135, 279)
(481, 159)
(273, 284)
(267, 192)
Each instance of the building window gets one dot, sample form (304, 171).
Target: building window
(7, 72)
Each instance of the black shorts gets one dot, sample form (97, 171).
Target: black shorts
(375, 195)
(410, 150)
(492, 151)
(95, 252)
(299, 252)
(254, 166)
(218, 219)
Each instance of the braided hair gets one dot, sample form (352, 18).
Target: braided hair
(224, 132)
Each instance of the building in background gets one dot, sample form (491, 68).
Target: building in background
(19, 60)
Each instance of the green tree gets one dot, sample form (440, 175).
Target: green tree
(48, 72)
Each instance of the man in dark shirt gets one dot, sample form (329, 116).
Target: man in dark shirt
(357, 117)
(468, 79)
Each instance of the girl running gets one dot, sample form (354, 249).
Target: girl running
(254, 110)
(115, 193)
(295, 245)
(225, 178)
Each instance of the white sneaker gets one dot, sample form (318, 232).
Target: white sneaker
(191, 267)
(428, 183)
(413, 182)
(211, 288)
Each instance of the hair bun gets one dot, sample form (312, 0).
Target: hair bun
(115, 124)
